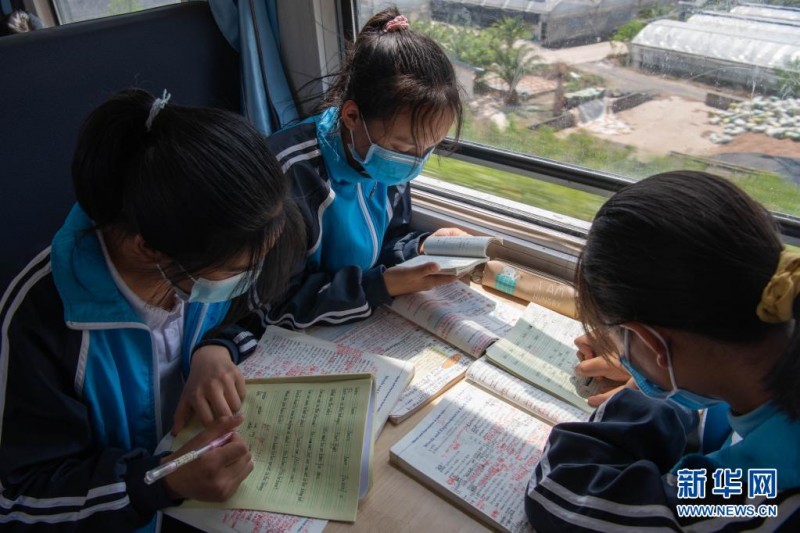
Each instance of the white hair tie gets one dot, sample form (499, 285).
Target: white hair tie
(158, 105)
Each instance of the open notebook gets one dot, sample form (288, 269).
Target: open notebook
(478, 446)
(311, 441)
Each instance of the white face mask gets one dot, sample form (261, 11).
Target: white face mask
(213, 291)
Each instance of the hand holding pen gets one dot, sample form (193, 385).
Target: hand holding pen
(212, 475)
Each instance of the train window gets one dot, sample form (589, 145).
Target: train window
(616, 90)
(78, 10)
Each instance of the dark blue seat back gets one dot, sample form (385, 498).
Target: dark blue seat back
(52, 78)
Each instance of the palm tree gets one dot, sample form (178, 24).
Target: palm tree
(511, 61)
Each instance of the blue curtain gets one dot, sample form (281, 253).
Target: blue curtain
(251, 26)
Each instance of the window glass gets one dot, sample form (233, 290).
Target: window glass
(628, 87)
(78, 10)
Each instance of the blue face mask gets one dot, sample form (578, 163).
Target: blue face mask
(387, 166)
(685, 398)
(213, 291)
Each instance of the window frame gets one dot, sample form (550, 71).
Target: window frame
(556, 252)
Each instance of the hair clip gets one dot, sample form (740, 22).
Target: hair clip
(400, 22)
(158, 105)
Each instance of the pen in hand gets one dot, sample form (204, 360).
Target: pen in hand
(151, 476)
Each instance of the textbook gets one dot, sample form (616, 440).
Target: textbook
(311, 439)
(281, 352)
(540, 350)
(477, 448)
(287, 353)
(439, 331)
(454, 255)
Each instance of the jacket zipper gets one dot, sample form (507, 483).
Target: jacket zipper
(371, 226)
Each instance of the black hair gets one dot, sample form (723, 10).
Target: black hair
(689, 251)
(200, 186)
(398, 71)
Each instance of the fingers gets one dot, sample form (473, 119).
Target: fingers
(233, 455)
(591, 368)
(597, 399)
(232, 399)
(425, 269)
(585, 350)
(430, 282)
(223, 425)
(203, 409)
(241, 390)
(450, 232)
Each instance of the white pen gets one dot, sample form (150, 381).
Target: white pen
(151, 476)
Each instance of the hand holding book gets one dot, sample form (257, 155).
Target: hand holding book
(455, 255)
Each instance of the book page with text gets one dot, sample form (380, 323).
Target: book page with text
(281, 352)
(447, 264)
(310, 442)
(458, 246)
(478, 452)
(437, 364)
(522, 394)
(457, 313)
(243, 521)
(541, 350)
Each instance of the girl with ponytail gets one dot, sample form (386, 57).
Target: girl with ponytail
(686, 279)
(350, 165)
(180, 210)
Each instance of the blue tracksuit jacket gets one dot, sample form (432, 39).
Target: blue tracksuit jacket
(356, 226)
(621, 471)
(79, 393)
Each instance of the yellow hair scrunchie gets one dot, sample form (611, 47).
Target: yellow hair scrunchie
(779, 294)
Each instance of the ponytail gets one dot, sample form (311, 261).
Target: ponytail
(393, 69)
(110, 139)
(780, 304)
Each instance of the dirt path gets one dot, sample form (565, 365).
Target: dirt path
(660, 126)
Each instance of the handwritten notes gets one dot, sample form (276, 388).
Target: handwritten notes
(478, 452)
(522, 394)
(462, 316)
(541, 351)
(311, 444)
(437, 365)
(288, 353)
(242, 521)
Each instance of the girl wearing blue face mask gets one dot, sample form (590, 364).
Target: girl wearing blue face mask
(179, 210)
(685, 283)
(350, 166)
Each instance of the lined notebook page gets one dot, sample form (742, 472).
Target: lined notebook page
(540, 349)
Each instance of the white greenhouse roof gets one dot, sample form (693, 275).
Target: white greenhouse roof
(744, 26)
(524, 6)
(547, 6)
(768, 12)
(764, 49)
